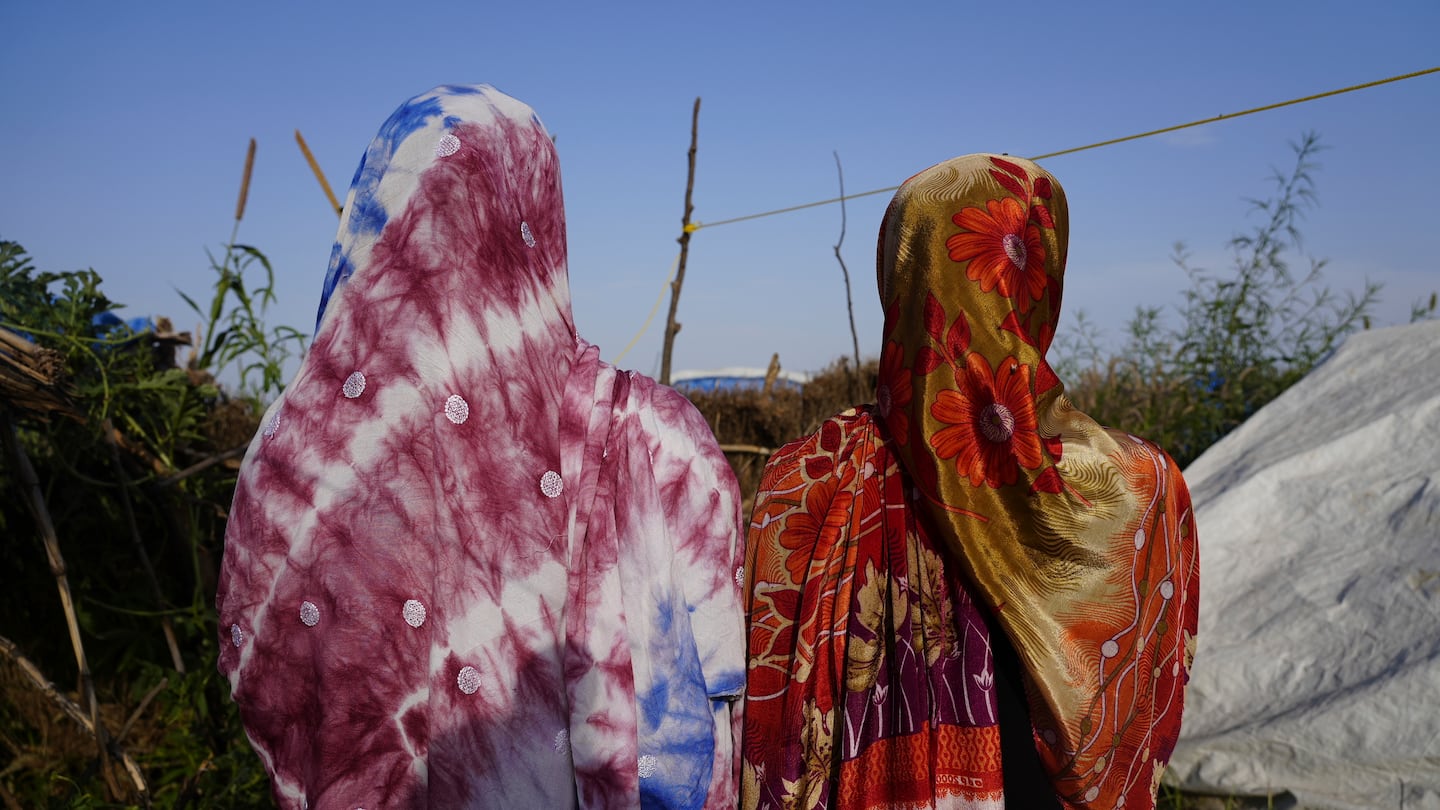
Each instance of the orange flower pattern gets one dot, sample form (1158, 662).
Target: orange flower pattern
(892, 391)
(862, 653)
(990, 427)
(1003, 249)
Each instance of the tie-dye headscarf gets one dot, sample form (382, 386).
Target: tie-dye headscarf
(468, 563)
(884, 548)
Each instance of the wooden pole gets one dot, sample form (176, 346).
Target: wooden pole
(672, 326)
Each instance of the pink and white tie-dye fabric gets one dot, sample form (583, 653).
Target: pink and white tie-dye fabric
(468, 563)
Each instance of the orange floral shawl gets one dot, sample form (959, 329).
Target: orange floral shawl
(971, 486)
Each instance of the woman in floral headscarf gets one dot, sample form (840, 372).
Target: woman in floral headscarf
(468, 563)
(968, 535)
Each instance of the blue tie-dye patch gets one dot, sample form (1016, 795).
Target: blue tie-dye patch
(464, 89)
(676, 719)
(339, 273)
(367, 214)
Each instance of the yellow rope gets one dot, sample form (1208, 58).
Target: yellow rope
(695, 226)
(648, 318)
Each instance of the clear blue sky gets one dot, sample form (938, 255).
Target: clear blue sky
(125, 126)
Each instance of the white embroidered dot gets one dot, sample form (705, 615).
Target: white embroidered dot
(273, 425)
(309, 614)
(1175, 670)
(648, 764)
(526, 235)
(551, 484)
(562, 742)
(354, 385)
(414, 612)
(1167, 589)
(1110, 649)
(1139, 538)
(237, 636)
(468, 680)
(1092, 793)
(447, 146)
(740, 577)
(457, 410)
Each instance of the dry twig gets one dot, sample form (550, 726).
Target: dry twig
(672, 327)
(849, 301)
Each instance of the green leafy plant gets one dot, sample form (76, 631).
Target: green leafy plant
(236, 337)
(1243, 336)
(134, 462)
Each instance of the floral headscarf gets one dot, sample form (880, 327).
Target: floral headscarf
(468, 563)
(973, 470)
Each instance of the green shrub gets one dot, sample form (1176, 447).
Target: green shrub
(1242, 338)
(135, 458)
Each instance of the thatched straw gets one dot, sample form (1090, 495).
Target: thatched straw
(32, 378)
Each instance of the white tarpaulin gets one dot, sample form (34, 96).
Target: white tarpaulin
(1318, 669)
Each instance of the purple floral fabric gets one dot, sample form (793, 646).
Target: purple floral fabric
(468, 563)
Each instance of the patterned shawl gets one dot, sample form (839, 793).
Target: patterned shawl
(469, 564)
(885, 547)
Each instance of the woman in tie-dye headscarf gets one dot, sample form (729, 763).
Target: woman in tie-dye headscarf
(968, 595)
(468, 563)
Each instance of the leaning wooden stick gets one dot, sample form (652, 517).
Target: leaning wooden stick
(752, 449)
(319, 175)
(35, 500)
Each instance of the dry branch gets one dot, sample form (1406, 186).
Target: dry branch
(849, 301)
(672, 327)
(203, 465)
(140, 709)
